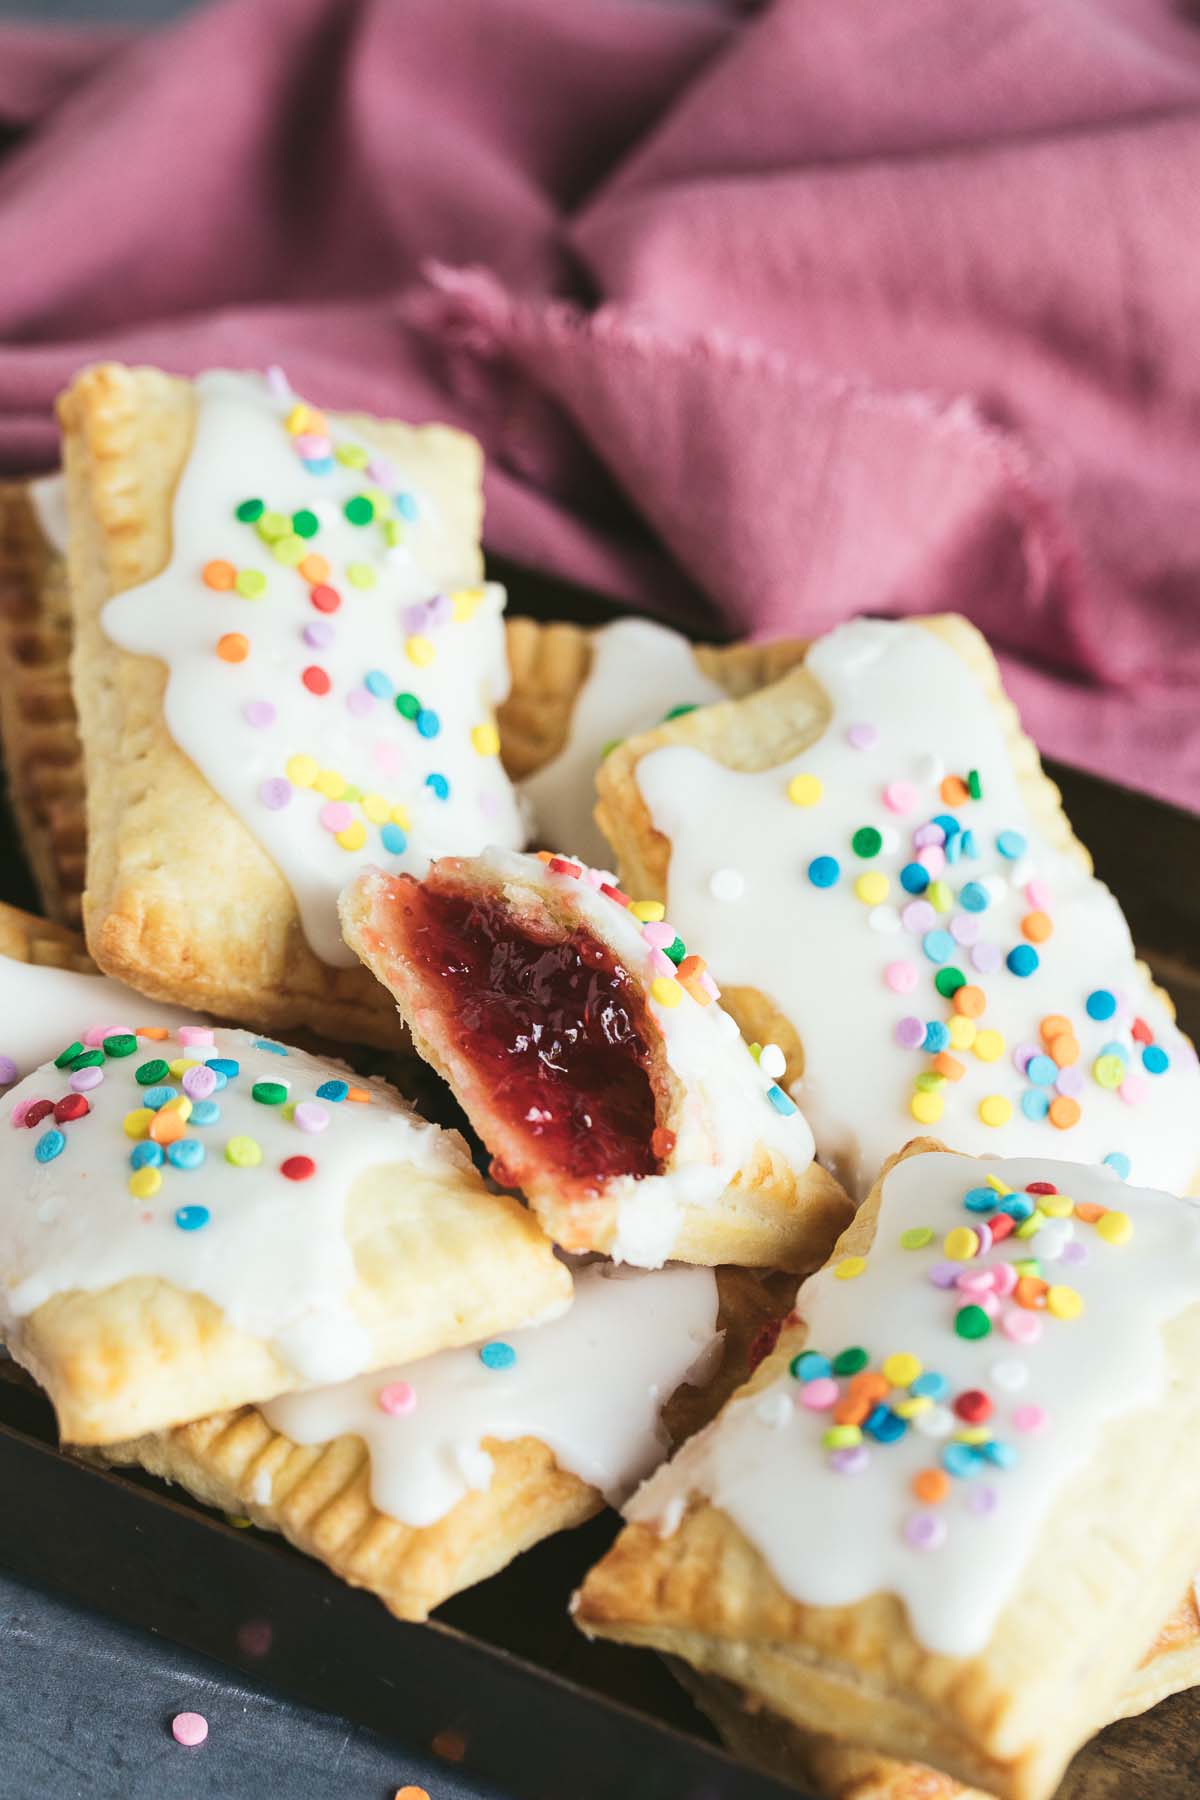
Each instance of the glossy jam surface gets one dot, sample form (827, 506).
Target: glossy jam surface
(556, 1029)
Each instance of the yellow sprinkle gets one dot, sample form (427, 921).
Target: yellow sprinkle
(963, 1032)
(1115, 1227)
(902, 1369)
(913, 1406)
(939, 896)
(973, 1434)
(361, 575)
(354, 836)
(649, 912)
(393, 533)
(302, 771)
(873, 887)
(144, 1182)
(182, 1064)
(666, 990)
(288, 1110)
(379, 500)
(486, 740)
(1056, 1206)
(352, 456)
(243, 1152)
(137, 1123)
(961, 1244)
(290, 550)
(995, 1110)
(988, 1045)
(420, 650)
(400, 817)
(1032, 1225)
(1064, 1302)
(330, 783)
(376, 808)
(304, 418)
(926, 1108)
(251, 584)
(997, 1186)
(466, 602)
(841, 1437)
(850, 1267)
(805, 790)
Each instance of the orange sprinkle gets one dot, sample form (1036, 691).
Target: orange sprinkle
(1064, 1112)
(691, 966)
(970, 1001)
(931, 1486)
(545, 856)
(158, 1032)
(1064, 1049)
(314, 567)
(869, 1385)
(451, 1746)
(1053, 1026)
(1030, 1292)
(166, 1126)
(219, 575)
(233, 647)
(1088, 1211)
(357, 1093)
(1037, 926)
(954, 791)
(948, 1065)
(692, 985)
(852, 1409)
(411, 1793)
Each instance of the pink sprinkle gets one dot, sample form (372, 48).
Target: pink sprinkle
(310, 1115)
(1039, 895)
(658, 934)
(899, 796)
(918, 916)
(336, 815)
(195, 1034)
(1029, 1418)
(901, 977)
(928, 834)
(594, 877)
(862, 736)
(1134, 1089)
(278, 382)
(398, 1398)
(312, 447)
(189, 1729)
(359, 702)
(1023, 1054)
(990, 1305)
(1004, 1279)
(933, 858)
(17, 1116)
(117, 1031)
(819, 1395)
(259, 713)
(200, 1082)
(965, 928)
(709, 985)
(83, 1079)
(975, 1281)
(93, 1037)
(381, 472)
(1022, 1326)
(662, 965)
(983, 1232)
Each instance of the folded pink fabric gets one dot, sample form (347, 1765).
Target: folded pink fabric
(764, 319)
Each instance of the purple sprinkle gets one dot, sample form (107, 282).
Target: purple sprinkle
(928, 834)
(1070, 1081)
(83, 1079)
(918, 916)
(319, 634)
(278, 383)
(200, 1082)
(943, 1274)
(987, 958)
(359, 702)
(258, 713)
(850, 1462)
(925, 1530)
(381, 472)
(982, 1500)
(1074, 1252)
(910, 1033)
(275, 792)
(8, 1071)
(965, 928)
(983, 1232)
(862, 737)
(440, 610)
(1023, 1055)
(416, 618)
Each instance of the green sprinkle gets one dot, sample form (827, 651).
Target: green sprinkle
(677, 712)
(243, 1152)
(361, 575)
(929, 1082)
(249, 511)
(1028, 1265)
(676, 951)
(352, 456)
(148, 1073)
(755, 1051)
(407, 705)
(359, 510)
(68, 1055)
(948, 980)
(916, 1237)
(305, 524)
(867, 841)
(393, 533)
(91, 1059)
(972, 1322)
(269, 1093)
(272, 525)
(849, 1362)
(974, 785)
(123, 1044)
(251, 584)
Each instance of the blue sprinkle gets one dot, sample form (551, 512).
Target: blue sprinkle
(1011, 844)
(185, 1153)
(1117, 1160)
(191, 1218)
(954, 848)
(222, 1081)
(885, 1426)
(1101, 1004)
(1035, 1103)
(319, 465)
(981, 1200)
(974, 896)
(1018, 1206)
(158, 1096)
(1042, 1070)
(49, 1145)
(948, 823)
(377, 683)
(959, 1460)
(823, 871)
(333, 1090)
(937, 1037)
(145, 1155)
(914, 878)
(780, 1101)
(428, 723)
(204, 1112)
(810, 1365)
(1022, 959)
(1114, 1049)
(393, 839)
(407, 507)
(439, 784)
(271, 1045)
(1003, 1455)
(497, 1356)
(970, 843)
(224, 1065)
(1155, 1059)
(930, 1385)
(938, 946)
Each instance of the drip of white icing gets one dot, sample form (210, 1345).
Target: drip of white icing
(833, 1538)
(273, 1253)
(243, 451)
(48, 497)
(815, 952)
(726, 1113)
(42, 1008)
(638, 671)
(590, 1386)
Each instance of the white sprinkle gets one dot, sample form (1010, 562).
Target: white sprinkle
(727, 884)
(935, 1422)
(1010, 1374)
(884, 918)
(772, 1061)
(775, 1409)
(1053, 1239)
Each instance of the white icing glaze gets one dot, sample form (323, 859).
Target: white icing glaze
(821, 953)
(726, 1113)
(241, 451)
(43, 1008)
(638, 671)
(273, 1254)
(590, 1386)
(833, 1538)
(48, 497)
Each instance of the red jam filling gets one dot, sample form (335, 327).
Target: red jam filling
(556, 1031)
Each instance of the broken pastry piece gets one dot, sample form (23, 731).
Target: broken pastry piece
(591, 1055)
(418, 1481)
(945, 1517)
(285, 665)
(195, 1219)
(886, 886)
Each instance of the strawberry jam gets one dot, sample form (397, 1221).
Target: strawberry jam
(557, 1033)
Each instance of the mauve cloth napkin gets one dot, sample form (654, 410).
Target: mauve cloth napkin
(764, 318)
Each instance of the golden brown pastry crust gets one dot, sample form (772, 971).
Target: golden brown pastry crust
(155, 914)
(1115, 1551)
(26, 938)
